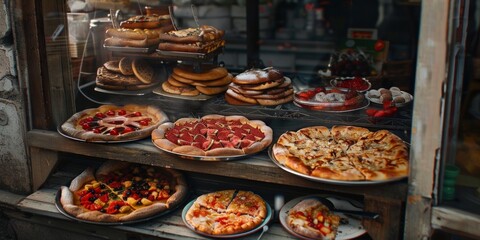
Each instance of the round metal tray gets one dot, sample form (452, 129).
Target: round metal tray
(331, 181)
(365, 103)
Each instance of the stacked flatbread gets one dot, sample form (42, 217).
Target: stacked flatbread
(203, 39)
(267, 87)
(187, 82)
(125, 74)
(139, 31)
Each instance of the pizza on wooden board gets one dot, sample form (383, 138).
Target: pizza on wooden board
(226, 212)
(121, 191)
(213, 135)
(346, 153)
(312, 219)
(114, 123)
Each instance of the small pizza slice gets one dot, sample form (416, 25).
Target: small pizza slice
(375, 167)
(217, 201)
(340, 168)
(312, 219)
(246, 202)
(201, 218)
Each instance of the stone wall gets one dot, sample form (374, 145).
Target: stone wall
(14, 173)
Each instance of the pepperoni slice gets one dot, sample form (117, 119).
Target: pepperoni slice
(247, 127)
(197, 144)
(186, 137)
(235, 140)
(227, 144)
(216, 144)
(207, 144)
(239, 132)
(250, 137)
(223, 134)
(199, 138)
(235, 123)
(257, 133)
(171, 136)
(246, 143)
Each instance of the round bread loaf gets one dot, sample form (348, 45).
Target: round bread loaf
(176, 83)
(274, 102)
(206, 75)
(233, 101)
(212, 90)
(184, 91)
(112, 66)
(264, 85)
(215, 83)
(125, 66)
(111, 78)
(143, 71)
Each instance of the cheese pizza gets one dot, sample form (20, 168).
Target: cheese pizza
(346, 153)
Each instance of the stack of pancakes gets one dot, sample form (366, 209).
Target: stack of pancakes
(125, 74)
(187, 82)
(267, 87)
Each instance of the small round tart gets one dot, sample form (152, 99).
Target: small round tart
(213, 135)
(112, 123)
(122, 192)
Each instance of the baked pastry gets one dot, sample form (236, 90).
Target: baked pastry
(267, 87)
(203, 39)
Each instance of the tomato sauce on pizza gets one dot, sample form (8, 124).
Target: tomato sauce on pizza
(213, 135)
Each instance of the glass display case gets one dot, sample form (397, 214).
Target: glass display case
(425, 49)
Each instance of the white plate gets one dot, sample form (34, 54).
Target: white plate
(377, 100)
(350, 230)
(237, 235)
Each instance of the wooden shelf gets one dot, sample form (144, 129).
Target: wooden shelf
(257, 167)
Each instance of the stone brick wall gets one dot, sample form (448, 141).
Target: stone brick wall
(14, 173)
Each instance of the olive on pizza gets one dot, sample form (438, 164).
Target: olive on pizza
(114, 123)
(213, 135)
(119, 192)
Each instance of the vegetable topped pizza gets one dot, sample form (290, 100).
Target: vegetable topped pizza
(345, 153)
(213, 135)
(121, 191)
(226, 212)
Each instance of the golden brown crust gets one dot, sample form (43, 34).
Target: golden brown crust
(205, 75)
(212, 90)
(345, 153)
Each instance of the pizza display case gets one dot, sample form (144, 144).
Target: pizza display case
(54, 160)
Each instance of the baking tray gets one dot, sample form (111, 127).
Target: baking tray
(150, 49)
(189, 55)
(267, 219)
(352, 229)
(330, 181)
